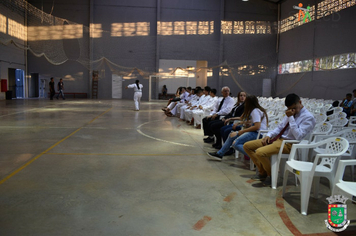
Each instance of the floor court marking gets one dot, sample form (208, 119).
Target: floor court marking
(157, 139)
(289, 224)
(48, 149)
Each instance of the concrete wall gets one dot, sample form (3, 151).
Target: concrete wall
(11, 56)
(144, 52)
(328, 36)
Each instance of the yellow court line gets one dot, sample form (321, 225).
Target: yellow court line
(45, 152)
(121, 154)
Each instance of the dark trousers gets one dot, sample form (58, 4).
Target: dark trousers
(52, 93)
(215, 127)
(206, 125)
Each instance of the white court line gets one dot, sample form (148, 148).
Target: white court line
(157, 139)
(19, 112)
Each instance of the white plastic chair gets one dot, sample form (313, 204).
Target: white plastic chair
(350, 135)
(276, 160)
(320, 118)
(352, 121)
(320, 129)
(338, 124)
(306, 171)
(337, 115)
(342, 187)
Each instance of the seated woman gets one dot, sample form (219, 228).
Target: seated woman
(258, 117)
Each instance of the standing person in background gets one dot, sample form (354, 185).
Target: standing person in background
(60, 87)
(138, 93)
(51, 88)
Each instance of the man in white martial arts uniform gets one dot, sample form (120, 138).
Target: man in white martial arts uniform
(197, 114)
(205, 99)
(193, 103)
(183, 98)
(176, 109)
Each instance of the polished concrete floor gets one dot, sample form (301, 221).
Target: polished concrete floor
(97, 167)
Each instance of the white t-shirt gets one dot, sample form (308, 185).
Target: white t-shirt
(134, 86)
(256, 116)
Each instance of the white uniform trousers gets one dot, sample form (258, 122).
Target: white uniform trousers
(188, 115)
(176, 109)
(197, 115)
(137, 99)
(171, 105)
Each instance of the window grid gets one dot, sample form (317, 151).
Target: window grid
(341, 61)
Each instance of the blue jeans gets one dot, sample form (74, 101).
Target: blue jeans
(249, 136)
(225, 131)
(240, 140)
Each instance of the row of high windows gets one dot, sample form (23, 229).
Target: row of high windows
(335, 62)
(300, 14)
(130, 29)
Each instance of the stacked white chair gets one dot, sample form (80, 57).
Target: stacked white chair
(305, 171)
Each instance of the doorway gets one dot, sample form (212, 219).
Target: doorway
(116, 86)
(16, 82)
(34, 86)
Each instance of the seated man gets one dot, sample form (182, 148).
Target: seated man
(198, 114)
(297, 123)
(187, 114)
(353, 106)
(222, 108)
(183, 97)
(346, 104)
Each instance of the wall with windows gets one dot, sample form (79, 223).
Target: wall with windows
(133, 36)
(12, 35)
(317, 58)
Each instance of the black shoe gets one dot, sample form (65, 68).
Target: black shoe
(209, 140)
(230, 152)
(267, 181)
(217, 146)
(215, 155)
(259, 177)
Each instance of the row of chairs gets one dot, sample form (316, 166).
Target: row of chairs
(329, 143)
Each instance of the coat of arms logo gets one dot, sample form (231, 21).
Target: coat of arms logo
(337, 213)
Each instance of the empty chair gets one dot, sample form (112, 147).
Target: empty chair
(320, 118)
(350, 135)
(338, 124)
(352, 121)
(322, 166)
(337, 115)
(342, 187)
(320, 129)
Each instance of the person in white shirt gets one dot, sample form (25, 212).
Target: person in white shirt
(188, 113)
(198, 114)
(222, 108)
(137, 93)
(254, 114)
(182, 98)
(297, 123)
